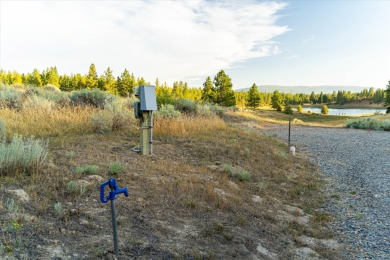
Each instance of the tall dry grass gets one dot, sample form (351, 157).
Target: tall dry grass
(44, 123)
(187, 126)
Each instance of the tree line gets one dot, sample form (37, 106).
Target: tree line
(218, 90)
(253, 98)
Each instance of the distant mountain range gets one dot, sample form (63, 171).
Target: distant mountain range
(306, 89)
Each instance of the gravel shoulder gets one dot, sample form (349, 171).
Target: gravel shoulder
(356, 165)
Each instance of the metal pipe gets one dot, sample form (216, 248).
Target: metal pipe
(151, 132)
(114, 228)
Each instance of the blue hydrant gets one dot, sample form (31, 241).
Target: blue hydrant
(114, 190)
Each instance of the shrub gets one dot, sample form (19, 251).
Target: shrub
(324, 110)
(114, 117)
(60, 98)
(9, 98)
(167, 111)
(369, 123)
(87, 169)
(185, 105)
(204, 110)
(218, 110)
(37, 103)
(58, 208)
(95, 97)
(2, 130)
(386, 125)
(245, 176)
(51, 88)
(22, 155)
(120, 115)
(299, 109)
(115, 168)
(288, 110)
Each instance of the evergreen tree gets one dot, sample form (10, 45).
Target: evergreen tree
(224, 90)
(208, 91)
(65, 83)
(52, 77)
(277, 101)
(92, 77)
(141, 82)
(35, 79)
(253, 98)
(387, 100)
(157, 83)
(109, 81)
(299, 109)
(127, 82)
(313, 98)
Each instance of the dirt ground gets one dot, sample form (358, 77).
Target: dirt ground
(185, 202)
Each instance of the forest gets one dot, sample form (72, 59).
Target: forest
(219, 91)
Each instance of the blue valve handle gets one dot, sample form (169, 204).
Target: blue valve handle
(115, 190)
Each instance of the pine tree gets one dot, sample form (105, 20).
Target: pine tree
(253, 98)
(127, 82)
(277, 101)
(35, 79)
(52, 77)
(92, 77)
(208, 91)
(224, 90)
(109, 81)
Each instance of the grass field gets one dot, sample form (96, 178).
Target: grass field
(212, 189)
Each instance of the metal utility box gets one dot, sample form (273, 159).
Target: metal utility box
(147, 97)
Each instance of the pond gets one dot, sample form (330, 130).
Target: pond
(347, 111)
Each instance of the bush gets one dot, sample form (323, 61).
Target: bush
(22, 155)
(114, 117)
(87, 169)
(369, 123)
(299, 109)
(167, 111)
(37, 103)
(9, 98)
(115, 168)
(2, 130)
(120, 115)
(185, 105)
(288, 110)
(324, 110)
(60, 98)
(95, 97)
(208, 110)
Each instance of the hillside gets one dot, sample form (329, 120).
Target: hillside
(215, 187)
(305, 89)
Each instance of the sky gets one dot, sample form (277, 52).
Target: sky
(289, 43)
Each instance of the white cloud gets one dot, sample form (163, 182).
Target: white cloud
(171, 40)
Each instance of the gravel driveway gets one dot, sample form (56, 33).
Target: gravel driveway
(356, 164)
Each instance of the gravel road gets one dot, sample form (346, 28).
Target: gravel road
(356, 164)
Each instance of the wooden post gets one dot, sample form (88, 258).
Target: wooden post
(289, 131)
(146, 134)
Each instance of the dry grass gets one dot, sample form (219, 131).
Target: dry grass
(187, 126)
(274, 117)
(41, 123)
